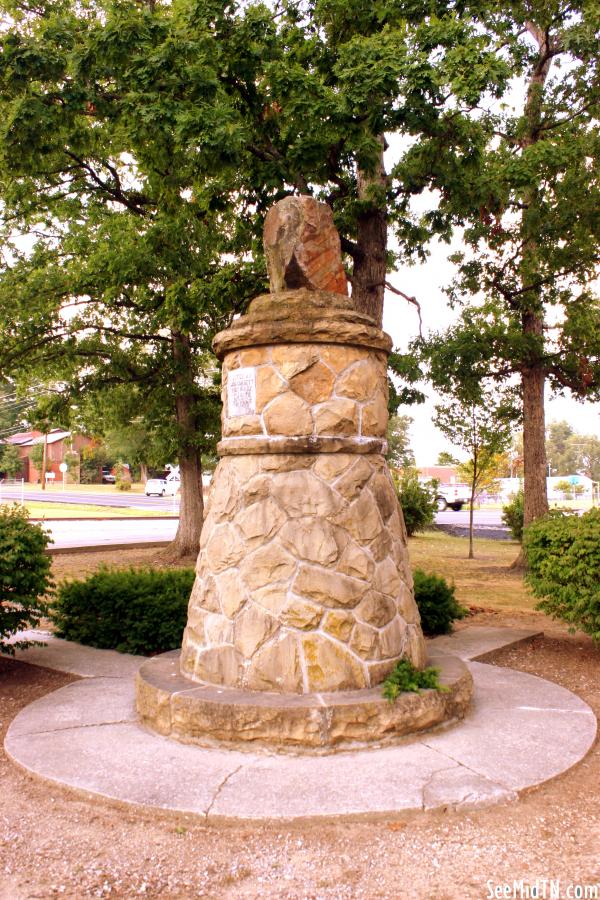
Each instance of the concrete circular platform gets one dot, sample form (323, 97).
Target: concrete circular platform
(212, 715)
(520, 732)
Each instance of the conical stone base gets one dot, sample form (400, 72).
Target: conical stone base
(303, 582)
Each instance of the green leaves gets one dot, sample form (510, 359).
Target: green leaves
(133, 611)
(405, 678)
(418, 501)
(437, 604)
(563, 554)
(24, 575)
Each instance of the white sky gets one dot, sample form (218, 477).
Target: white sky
(425, 282)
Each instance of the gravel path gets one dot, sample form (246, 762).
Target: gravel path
(56, 844)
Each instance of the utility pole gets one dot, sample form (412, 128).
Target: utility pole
(44, 460)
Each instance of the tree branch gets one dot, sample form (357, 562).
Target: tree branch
(412, 300)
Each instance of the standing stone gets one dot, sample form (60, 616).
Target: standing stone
(302, 247)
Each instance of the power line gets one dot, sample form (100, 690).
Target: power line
(7, 407)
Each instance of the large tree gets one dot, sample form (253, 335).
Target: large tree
(141, 143)
(529, 311)
(133, 257)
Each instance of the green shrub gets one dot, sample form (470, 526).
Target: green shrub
(405, 678)
(563, 558)
(437, 604)
(133, 610)
(512, 515)
(11, 463)
(123, 477)
(24, 575)
(417, 500)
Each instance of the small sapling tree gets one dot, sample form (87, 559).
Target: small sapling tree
(481, 424)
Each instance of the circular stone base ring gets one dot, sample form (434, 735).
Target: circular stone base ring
(215, 716)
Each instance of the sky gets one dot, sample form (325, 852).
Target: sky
(400, 320)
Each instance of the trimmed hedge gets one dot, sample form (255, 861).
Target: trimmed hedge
(144, 611)
(563, 558)
(132, 610)
(437, 604)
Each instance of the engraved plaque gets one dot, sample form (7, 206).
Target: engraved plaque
(241, 392)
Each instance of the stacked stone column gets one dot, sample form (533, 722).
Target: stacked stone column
(303, 583)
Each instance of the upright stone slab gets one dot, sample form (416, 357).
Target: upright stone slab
(303, 582)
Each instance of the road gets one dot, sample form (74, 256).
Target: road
(84, 533)
(56, 495)
(486, 522)
(484, 518)
(90, 533)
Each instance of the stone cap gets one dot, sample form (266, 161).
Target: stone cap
(302, 247)
(301, 317)
(300, 303)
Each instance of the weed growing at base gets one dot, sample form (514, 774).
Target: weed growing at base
(404, 678)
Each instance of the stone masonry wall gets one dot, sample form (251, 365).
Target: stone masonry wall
(303, 582)
(310, 389)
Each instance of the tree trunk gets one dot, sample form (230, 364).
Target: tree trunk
(370, 261)
(533, 373)
(534, 445)
(191, 508)
(473, 489)
(143, 473)
(535, 494)
(191, 505)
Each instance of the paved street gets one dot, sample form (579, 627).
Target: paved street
(484, 518)
(91, 533)
(486, 523)
(56, 495)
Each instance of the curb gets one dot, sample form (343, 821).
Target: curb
(139, 545)
(104, 519)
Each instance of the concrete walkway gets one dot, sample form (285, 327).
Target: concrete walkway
(85, 736)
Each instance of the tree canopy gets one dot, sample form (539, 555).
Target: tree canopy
(141, 143)
(529, 312)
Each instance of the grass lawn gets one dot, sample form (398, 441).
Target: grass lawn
(486, 581)
(41, 510)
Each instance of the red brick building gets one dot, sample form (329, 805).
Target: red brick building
(59, 444)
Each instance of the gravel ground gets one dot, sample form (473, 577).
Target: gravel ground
(55, 844)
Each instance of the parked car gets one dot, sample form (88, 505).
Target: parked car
(161, 487)
(107, 476)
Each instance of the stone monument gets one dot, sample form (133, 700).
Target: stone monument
(303, 598)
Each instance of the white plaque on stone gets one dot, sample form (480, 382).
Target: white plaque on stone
(241, 392)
